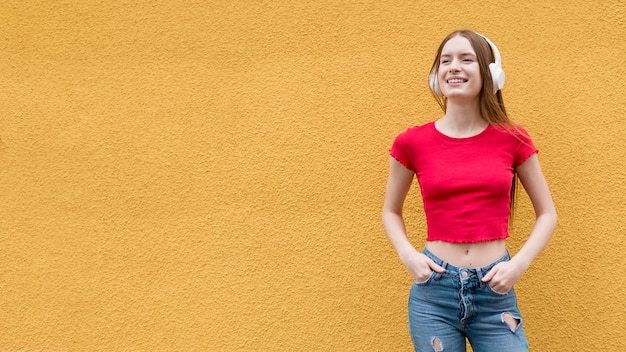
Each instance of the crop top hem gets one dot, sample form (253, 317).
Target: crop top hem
(473, 240)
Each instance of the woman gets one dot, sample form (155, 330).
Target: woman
(466, 163)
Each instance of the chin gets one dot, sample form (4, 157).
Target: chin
(461, 98)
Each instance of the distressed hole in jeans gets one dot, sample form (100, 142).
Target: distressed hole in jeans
(437, 345)
(511, 321)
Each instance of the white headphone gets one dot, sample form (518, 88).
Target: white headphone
(497, 74)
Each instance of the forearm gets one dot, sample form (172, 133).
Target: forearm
(396, 232)
(398, 185)
(538, 239)
(537, 188)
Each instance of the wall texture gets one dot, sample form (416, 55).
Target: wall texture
(208, 176)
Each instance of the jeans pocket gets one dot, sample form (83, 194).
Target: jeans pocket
(430, 277)
(496, 292)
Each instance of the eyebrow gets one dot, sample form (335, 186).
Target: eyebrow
(462, 54)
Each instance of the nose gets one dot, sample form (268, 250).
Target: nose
(454, 65)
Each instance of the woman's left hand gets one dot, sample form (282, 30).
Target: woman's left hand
(503, 276)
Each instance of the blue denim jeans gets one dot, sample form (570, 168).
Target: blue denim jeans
(449, 307)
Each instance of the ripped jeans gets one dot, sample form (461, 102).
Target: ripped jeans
(449, 307)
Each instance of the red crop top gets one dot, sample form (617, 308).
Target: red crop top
(465, 182)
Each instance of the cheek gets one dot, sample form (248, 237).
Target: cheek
(440, 74)
(478, 78)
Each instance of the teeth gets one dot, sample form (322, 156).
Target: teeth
(456, 80)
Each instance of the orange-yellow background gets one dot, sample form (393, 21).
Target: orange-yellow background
(208, 176)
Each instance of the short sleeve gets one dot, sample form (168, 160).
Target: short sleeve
(525, 147)
(401, 150)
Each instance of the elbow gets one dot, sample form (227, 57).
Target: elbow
(553, 215)
(388, 214)
(547, 219)
(551, 218)
(384, 215)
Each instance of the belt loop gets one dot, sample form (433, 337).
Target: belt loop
(479, 273)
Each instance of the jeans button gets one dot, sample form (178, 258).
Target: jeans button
(464, 274)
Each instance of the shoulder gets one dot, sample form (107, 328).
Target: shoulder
(513, 132)
(409, 144)
(415, 132)
(414, 137)
(516, 139)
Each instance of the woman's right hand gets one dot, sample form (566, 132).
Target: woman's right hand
(420, 266)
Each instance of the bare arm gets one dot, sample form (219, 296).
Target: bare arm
(398, 185)
(530, 174)
(537, 188)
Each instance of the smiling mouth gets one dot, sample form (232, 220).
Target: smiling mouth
(457, 80)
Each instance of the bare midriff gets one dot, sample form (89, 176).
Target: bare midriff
(468, 255)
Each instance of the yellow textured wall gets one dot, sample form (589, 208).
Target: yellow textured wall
(208, 176)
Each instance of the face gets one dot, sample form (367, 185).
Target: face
(459, 73)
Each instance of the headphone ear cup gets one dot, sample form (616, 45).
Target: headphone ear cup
(497, 74)
(434, 84)
(495, 68)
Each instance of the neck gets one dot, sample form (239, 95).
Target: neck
(462, 120)
(463, 112)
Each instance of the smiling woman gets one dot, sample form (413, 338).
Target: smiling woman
(466, 163)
